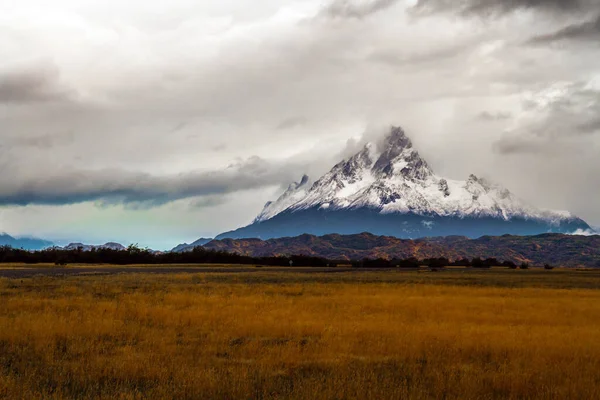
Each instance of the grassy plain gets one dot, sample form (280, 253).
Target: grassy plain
(459, 334)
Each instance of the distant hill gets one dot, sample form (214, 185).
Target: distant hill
(556, 249)
(190, 247)
(24, 243)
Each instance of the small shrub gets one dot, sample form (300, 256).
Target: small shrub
(411, 262)
(548, 266)
(524, 266)
(436, 263)
(462, 263)
(509, 264)
(490, 262)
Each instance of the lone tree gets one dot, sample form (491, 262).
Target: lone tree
(477, 263)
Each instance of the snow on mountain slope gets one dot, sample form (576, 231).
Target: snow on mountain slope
(294, 193)
(393, 178)
(89, 247)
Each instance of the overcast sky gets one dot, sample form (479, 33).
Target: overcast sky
(157, 122)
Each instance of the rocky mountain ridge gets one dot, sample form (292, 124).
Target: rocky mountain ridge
(556, 249)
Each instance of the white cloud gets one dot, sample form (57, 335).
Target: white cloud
(585, 232)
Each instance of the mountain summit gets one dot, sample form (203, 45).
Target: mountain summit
(389, 189)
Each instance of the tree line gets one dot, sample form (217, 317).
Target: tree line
(440, 262)
(135, 255)
(199, 255)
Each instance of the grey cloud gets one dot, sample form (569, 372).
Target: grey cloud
(138, 190)
(45, 141)
(179, 126)
(208, 201)
(32, 84)
(394, 59)
(494, 116)
(496, 7)
(291, 123)
(554, 121)
(588, 30)
(515, 145)
(356, 8)
(220, 147)
(590, 127)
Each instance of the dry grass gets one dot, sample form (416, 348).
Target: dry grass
(266, 335)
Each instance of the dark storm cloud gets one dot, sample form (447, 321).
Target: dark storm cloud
(588, 30)
(495, 7)
(32, 84)
(140, 190)
(356, 9)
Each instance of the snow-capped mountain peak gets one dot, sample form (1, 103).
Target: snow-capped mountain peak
(393, 178)
(398, 157)
(89, 247)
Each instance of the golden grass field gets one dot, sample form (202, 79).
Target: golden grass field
(468, 334)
